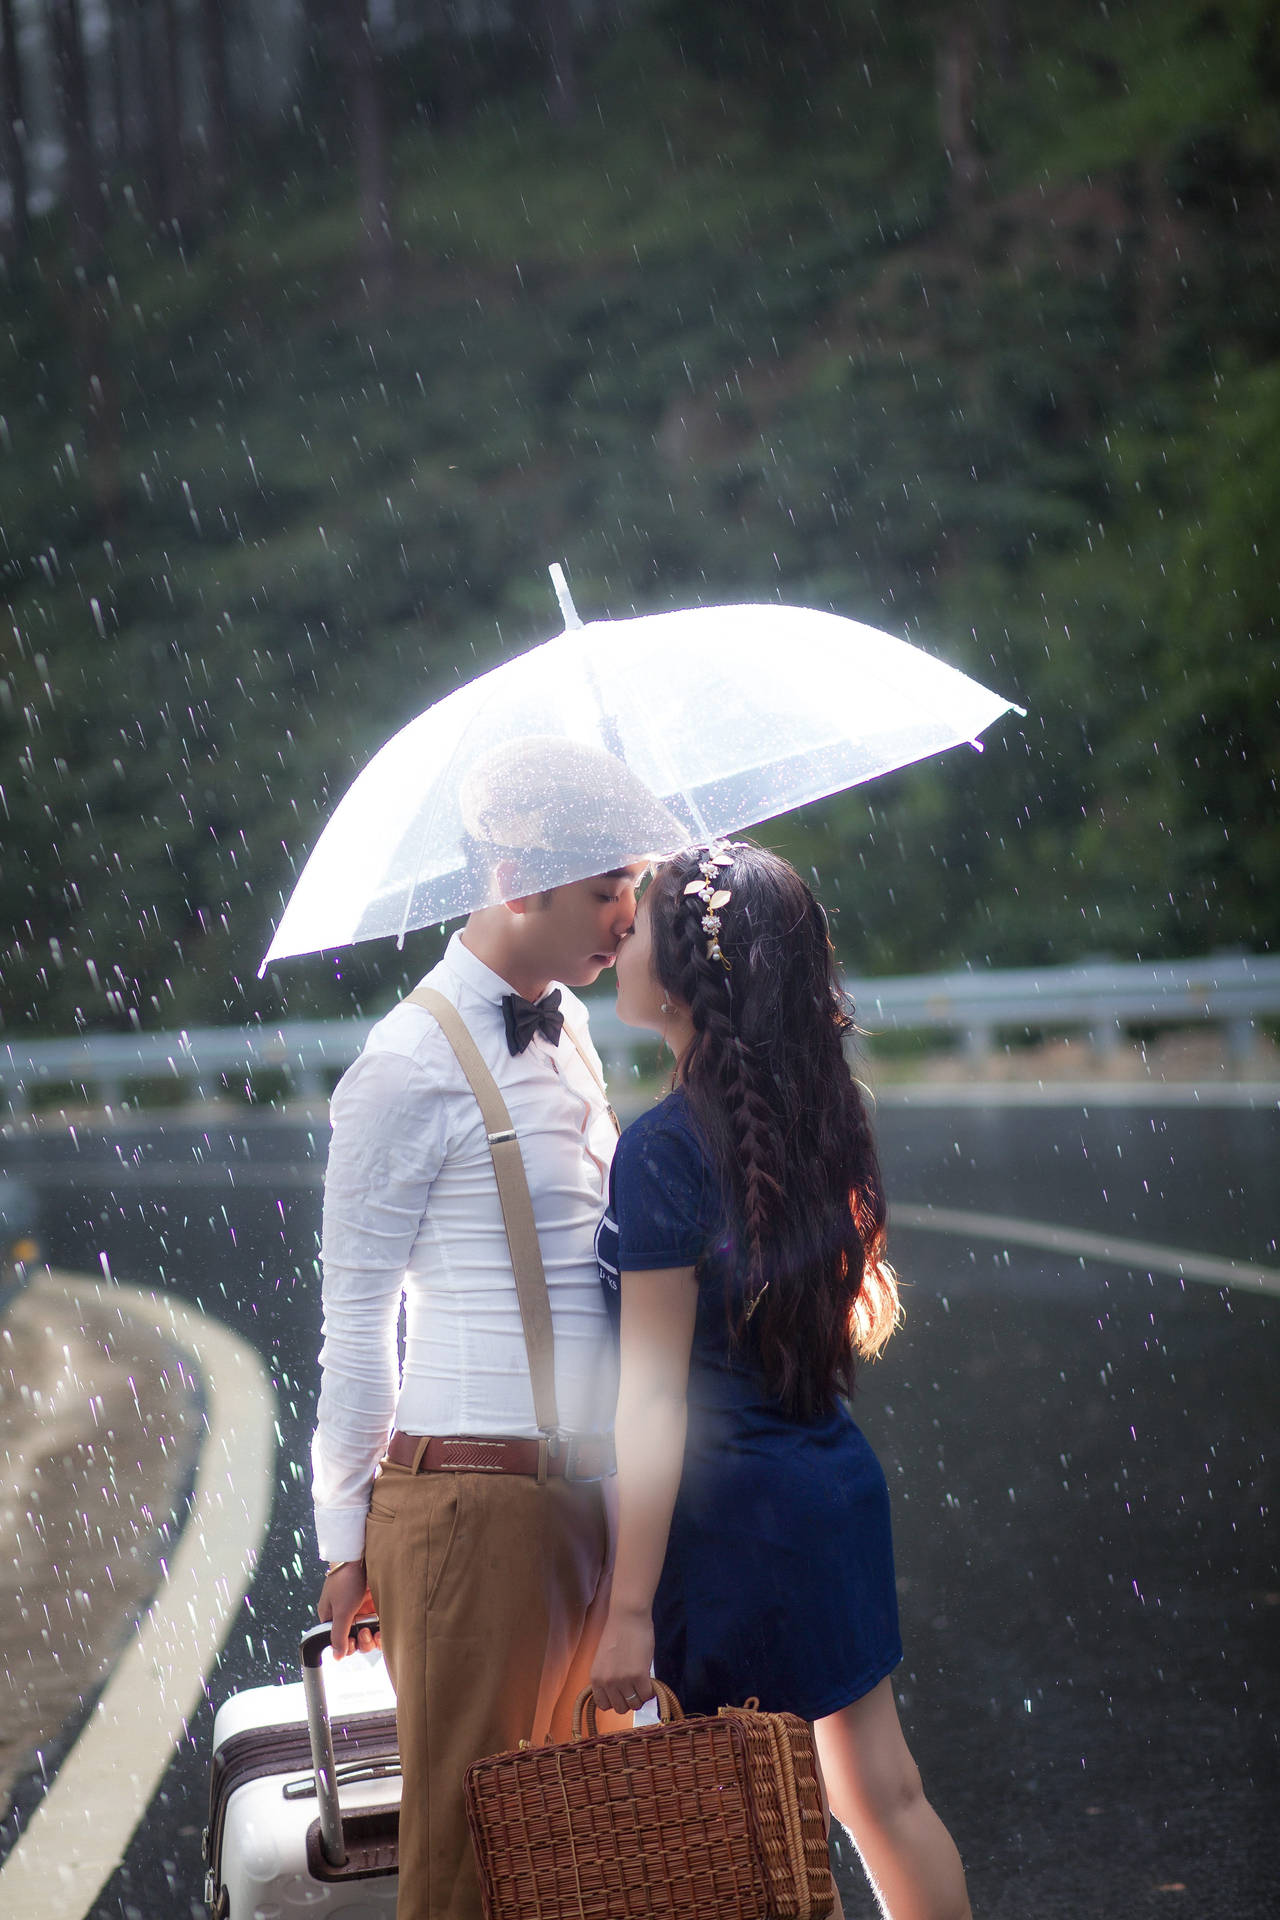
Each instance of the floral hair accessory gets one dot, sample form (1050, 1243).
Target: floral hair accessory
(713, 897)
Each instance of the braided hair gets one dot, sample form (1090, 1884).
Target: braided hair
(767, 1083)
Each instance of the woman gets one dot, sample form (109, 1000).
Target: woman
(743, 1253)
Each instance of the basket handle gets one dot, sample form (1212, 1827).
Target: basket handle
(584, 1709)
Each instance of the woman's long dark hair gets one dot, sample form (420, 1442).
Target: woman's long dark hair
(768, 1085)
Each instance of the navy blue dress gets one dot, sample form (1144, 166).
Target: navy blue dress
(778, 1579)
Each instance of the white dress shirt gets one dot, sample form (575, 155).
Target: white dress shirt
(411, 1210)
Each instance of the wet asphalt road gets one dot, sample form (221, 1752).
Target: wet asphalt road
(1082, 1460)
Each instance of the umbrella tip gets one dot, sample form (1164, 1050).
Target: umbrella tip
(563, 595)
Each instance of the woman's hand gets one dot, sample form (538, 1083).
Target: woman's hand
(621, 1676)
(344, 1597)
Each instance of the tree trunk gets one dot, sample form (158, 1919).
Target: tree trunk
(369, 139)
(553, 31)
(957, 64)
(156, 38)
(14, 133)
(1000, 36)
(120, 57)
(449, 92)
(328, 76)
(90, 323)
(171, 113)
(71, 88)
(213, 50)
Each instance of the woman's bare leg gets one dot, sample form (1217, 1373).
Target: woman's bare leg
(874, 1789)
(837, 1911)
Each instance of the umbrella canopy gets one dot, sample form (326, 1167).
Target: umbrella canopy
(618, 739)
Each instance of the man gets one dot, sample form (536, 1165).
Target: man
(489, 1580)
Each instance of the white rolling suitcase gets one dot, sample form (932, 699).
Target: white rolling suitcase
(304, 1794)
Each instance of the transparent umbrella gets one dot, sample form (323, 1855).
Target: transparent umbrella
(618, 739)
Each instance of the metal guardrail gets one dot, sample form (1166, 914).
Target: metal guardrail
(202, 1062)
(1101, 998)
(1231, 990)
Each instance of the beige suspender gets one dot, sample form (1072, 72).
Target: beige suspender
(513, 1192)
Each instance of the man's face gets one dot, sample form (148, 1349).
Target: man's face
(641, 998)
(576, 930)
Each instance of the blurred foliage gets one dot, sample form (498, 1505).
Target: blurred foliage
(731, 333)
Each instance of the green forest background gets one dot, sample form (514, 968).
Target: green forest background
(959, 319)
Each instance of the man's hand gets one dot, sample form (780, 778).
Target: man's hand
(344, 1597)
(620, 1673)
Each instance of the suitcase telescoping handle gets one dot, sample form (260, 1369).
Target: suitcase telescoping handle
(314, 1642)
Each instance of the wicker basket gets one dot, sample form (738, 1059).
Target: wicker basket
(715, 1816)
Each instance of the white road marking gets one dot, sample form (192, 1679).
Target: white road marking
(78, 1834)
(1140, 1254)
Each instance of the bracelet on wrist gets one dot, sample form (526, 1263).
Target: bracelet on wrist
(336, 1565)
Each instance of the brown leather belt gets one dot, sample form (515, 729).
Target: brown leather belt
(572, 1456)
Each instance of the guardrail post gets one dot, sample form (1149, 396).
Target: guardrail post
(1241, 1036)
(1107, 1036)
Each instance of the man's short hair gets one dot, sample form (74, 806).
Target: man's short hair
(557, 810)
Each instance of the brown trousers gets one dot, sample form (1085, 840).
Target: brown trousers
(490, 1591)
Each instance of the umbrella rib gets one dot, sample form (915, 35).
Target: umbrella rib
(662, 759)
(424, 840)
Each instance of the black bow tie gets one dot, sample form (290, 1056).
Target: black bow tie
(524, 1018)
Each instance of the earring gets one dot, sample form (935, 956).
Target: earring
(666, 1007)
